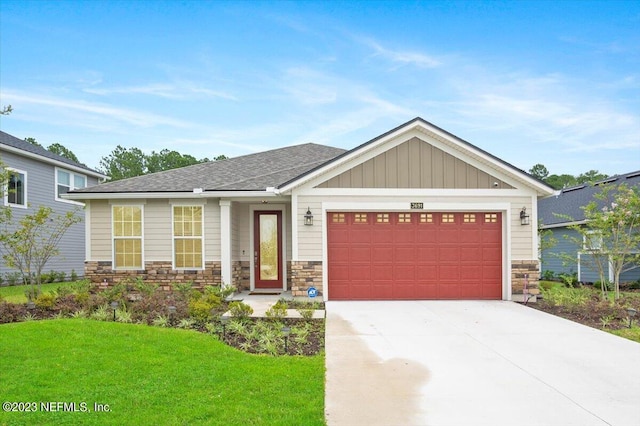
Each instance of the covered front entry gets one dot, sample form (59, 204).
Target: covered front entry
(414, 255)
(267, 245)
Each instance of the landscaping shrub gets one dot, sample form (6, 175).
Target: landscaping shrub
(546, 285)
(68, 304)
(45, 301)
(607, 284)
(277, 311)
(240, 310)
(548, 275)
(11, 312)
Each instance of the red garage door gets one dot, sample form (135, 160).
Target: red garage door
(414, 255)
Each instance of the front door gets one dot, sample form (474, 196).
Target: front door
(267, 246)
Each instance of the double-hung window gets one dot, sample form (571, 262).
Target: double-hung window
(68, 181)
(127, 237)
(16, 189)
(188, 250)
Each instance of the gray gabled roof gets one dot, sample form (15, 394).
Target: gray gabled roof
(566, 206)
(253, 172)
(42, 153)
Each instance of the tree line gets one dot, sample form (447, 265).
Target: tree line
(540, 172)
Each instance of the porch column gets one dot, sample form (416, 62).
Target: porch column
(225, 242)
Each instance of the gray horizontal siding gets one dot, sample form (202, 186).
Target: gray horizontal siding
(41, 191)
(552, 259)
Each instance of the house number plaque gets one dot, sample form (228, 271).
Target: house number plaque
(417, 205)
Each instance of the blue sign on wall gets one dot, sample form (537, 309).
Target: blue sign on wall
(312, 292)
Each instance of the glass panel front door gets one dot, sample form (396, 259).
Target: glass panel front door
(268, 249)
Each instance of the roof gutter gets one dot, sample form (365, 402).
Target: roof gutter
(196, 193)
(563, 224)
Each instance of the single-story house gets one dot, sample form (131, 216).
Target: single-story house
(415, 213)
(564, 209)
(39, 177)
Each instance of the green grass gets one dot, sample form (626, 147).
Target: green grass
(152, 376)
(15, 293)
(628, 333)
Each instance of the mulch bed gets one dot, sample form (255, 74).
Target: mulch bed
(594, 313)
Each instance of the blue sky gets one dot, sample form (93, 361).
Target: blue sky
(546, 82)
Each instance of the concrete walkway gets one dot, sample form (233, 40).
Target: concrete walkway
(462, 363)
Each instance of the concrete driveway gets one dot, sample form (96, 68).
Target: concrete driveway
(474, 363)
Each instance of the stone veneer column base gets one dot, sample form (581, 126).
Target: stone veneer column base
(524, 271)
(160, 273)
(305, 274)
(241, 274)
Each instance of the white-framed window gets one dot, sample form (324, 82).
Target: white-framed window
(188, 232)
(15, 194)
(127, 225)
(68, 181)
(592, 241)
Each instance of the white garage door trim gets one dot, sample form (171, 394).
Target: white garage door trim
(401, 206)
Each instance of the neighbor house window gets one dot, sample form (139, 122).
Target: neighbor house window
(16, 191)
(592, 241)
(127, 237)
(68, 181)
(187, 237)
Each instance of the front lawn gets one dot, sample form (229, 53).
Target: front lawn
(150, 375)
(17, 293)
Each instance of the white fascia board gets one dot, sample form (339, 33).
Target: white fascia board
(176, 195)
(57, 163)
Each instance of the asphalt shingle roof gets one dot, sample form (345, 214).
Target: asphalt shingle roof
(14, 142)
(253, 172)
(570, 201)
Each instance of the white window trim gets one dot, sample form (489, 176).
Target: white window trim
(25, 184)
(595, 239)
(141, 237)
(173, 237)
(71, 187)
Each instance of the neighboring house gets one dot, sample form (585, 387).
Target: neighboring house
(40, 177)
(416, 213)
(565, 209)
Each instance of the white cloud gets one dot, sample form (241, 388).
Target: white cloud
(90, 110)
(177, 91)
(403, 57)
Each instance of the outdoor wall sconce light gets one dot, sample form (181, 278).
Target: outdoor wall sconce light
(285, 332)
(308, 218)
(632, 313)
(114, 306)
(524, 217)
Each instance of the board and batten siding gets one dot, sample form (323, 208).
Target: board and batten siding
(41, 191)
(414, 164)
(310, 237)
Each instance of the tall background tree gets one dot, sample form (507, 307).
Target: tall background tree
(565, 180)
(124, 163)
(63, 151)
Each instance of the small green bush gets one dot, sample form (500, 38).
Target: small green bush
(240, 309)
(277, 311)
(548, 275)
(607, 284)
(45, 301)
(200, 310)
